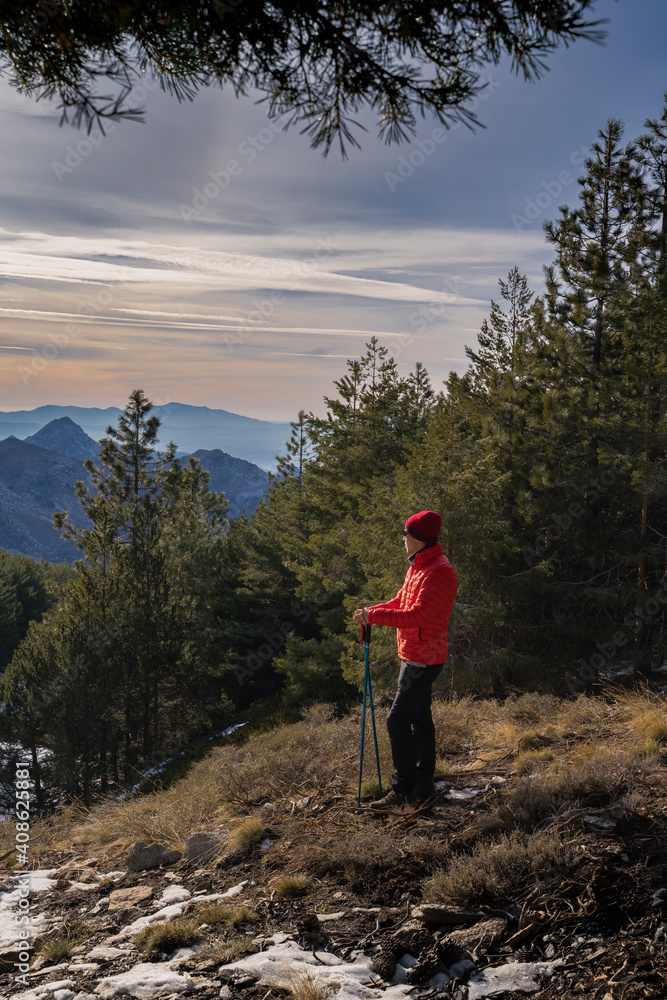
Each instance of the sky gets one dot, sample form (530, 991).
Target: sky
(209, 257)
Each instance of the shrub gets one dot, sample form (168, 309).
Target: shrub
(499, 871)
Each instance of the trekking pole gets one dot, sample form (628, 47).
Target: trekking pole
(365, 640)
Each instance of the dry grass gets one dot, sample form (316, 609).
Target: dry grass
(493, 729)
(246, 834)
(645, 723)
(303, 983)
(319, 755)
(324, 850)
(596, 780)
(532, 759)
(170, 817)
(224, 952)
(166, 936)
(62, 944)
(499, 871)
(293, 761)
(290, 886)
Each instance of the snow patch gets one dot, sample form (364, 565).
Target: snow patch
(512, 977)
(38, 881)
(285, 955)
(173, 894)
(145, 981)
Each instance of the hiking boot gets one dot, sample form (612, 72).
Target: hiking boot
(392, 800)
(425, 791)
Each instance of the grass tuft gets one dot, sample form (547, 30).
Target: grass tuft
(224, 952)
(167, 936)
(247, 833)
(304, 983)
(531, 759)
(289, 886)
(62, 944)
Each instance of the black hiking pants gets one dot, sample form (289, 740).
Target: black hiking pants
(411, 730)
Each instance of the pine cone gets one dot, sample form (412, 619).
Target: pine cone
(384, 964)
(308, 923)
(428, 966)
(450, 952)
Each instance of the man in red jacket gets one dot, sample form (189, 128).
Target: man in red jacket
(420, 613)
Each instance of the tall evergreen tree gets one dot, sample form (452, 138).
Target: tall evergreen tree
(134, 656)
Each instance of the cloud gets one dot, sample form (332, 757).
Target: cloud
(38, 256)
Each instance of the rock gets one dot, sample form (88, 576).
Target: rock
(203, 846)
(120, 898)
(143, 857)
(106, 953)
(412, 937)
(480, 935)
(434, 913)
(240, 980)
(9, 956)
(328, 917)
(129, 914)
(101, 904)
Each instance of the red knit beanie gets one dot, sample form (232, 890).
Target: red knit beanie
(424, 526)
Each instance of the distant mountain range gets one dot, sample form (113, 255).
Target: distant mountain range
(37, 477)
(189, 427)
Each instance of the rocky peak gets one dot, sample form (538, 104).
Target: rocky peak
(67, 438)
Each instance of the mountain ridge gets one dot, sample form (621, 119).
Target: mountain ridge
(37, 476)
(191, 428)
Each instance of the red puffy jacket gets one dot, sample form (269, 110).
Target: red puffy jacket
(421, 609)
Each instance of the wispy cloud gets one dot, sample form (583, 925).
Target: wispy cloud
(40, 257)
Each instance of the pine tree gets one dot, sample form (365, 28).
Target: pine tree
(135, 654)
